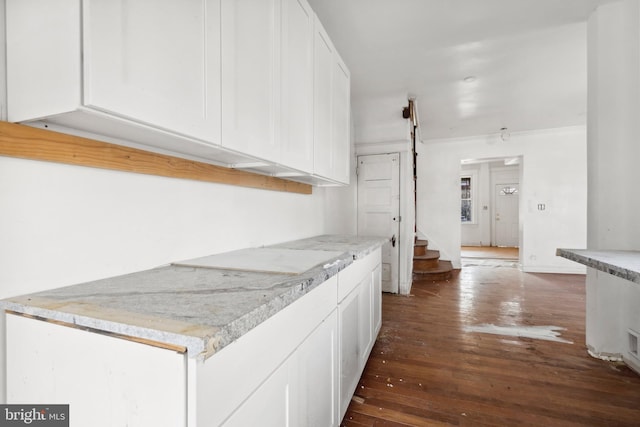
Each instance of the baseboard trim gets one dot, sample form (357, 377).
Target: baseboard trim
(554, 269)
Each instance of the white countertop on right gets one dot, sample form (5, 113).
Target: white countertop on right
(624, 264)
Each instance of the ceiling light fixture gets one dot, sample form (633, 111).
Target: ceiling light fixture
(504, 134)
(469, 79)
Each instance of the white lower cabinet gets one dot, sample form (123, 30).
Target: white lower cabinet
(350, 348)
(302, 391)
(359, 315)
(300, 367)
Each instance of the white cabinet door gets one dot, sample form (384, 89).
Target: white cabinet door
(332, 129)
(376, 300)
(156, 63)
(359, 320)
(350, 347)
(106, 381)
(322, 95)
(341, 128)
(43, 58)
(269, 405)
(251, 76)
(365, 320)
(297, 85)
(317, 377)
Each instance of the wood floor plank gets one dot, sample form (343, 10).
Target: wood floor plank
(425, 369)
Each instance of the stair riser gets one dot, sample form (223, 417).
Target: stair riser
(420, 247)
(432, 276)
(425, 264)
(419, 250)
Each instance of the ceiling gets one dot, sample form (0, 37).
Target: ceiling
(524, 60)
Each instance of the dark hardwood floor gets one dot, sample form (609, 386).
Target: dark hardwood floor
(425, 370)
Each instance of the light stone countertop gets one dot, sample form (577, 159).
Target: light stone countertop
(200, 309)
(624, 264)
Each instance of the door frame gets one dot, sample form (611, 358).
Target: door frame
(395, 281)
(407, 205)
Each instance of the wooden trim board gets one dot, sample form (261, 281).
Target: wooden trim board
(153, 343)
(26, 142)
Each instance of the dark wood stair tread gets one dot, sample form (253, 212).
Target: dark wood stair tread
(443, 267)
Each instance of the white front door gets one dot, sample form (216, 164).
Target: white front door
(379, 209)
(507, 199)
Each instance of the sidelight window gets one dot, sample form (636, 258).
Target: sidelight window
(466, 200)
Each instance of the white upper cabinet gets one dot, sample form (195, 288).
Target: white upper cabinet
(323, 77)
(331, 110)
(115, 68)
(43, 58)
(155, 63)
(252, 84)
(297, 84)
(267, 80)
(251, 76)
(341, 122)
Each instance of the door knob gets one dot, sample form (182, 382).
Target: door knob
(393, 241)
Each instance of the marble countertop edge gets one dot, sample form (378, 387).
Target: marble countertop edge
(620, 263)
(194, 345)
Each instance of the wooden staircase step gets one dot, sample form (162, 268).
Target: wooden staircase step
(426, 261)
(441, 272)
(420, 247)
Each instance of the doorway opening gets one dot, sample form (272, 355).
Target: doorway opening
(490, 252)
(490, 208)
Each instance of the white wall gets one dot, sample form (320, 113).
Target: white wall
(614, 128)
(340, 203)
(62, 225)
(554, 172)
(379, 119)
(613, 152)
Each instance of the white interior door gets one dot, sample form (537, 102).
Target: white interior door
(507, 199)
(379, 209)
